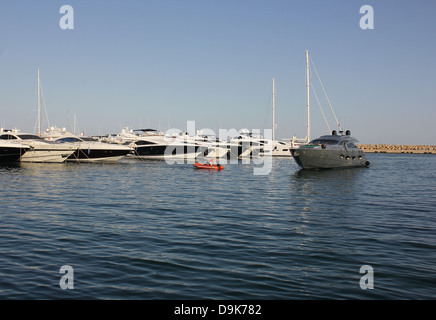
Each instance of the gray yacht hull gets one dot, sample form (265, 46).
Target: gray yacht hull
(318, 159)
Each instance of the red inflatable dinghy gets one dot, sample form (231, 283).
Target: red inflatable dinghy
(208, 166)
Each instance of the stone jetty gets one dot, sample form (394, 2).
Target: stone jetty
(397, 148)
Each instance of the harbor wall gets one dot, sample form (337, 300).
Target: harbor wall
(398, 148)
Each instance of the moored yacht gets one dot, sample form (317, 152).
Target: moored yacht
(281, 148)
(251, 145)
(11, 151)
(40, 150)
(330, 152)
(211, 146)
(149, 144)
(87, 149)
(254, 145)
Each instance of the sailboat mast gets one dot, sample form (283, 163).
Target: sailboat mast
(308, 95)
(39, 108)
(74, 124)
(274, 111)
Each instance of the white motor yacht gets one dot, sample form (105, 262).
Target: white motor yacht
(149, 144)
(39, 149)
(251, 145)
(281, 148)
(87, 149)
(11, 151)
(210, 145)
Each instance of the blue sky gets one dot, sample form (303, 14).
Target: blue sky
(162, 63)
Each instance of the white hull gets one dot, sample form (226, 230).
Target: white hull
(166, 157)
(251, 152)
(282, 153)
(46, 156)
(281, 149)
(253, 147)
(103, 159)
(216, 152)
(87, 149)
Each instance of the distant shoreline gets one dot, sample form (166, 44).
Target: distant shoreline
(397, 148)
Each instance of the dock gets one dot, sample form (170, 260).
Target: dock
(397, 148)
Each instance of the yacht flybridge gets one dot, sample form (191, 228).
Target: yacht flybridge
(329, 151)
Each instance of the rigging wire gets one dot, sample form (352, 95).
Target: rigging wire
(45, 108)
(42, 105)
(319, 104)
(328, 100)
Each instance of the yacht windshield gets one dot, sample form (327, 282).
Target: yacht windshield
(7, 137)
(29, 137)
(88, 139)
(320, 142)
(351, 145)
(143, 142)
(68, 139)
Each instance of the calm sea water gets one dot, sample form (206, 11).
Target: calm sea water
(149, 230)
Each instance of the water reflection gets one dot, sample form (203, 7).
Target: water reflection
(9, 166)
(334, 173)
(317, 198)
(327, 188)
(329, 181)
